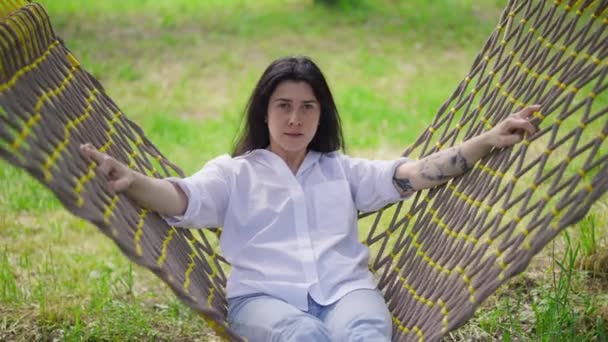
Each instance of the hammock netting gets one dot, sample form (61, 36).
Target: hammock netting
(436, 256)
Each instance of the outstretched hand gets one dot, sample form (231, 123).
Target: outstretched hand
(120, 177)
(512, 130)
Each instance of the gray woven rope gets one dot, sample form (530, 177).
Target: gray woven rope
(436, 256)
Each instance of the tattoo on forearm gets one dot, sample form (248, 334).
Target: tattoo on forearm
(458, 160)
(403, 186)
(444, 165)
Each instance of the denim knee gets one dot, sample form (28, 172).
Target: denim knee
(364, 329)
(300, 328)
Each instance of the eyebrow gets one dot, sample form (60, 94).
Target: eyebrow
(290, 100)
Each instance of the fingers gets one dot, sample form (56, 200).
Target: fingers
(116, 173)
(521, 125)
(521, 120)
(528, 111)
(92, 154)
(512, 130)
(105, 164)
(509, 140)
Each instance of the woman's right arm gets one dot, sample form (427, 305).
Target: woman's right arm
(159, 195)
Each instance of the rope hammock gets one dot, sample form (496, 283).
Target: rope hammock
(436, 256)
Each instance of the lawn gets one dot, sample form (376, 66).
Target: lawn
(183, 70)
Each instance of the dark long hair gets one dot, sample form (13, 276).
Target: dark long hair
(254, 133)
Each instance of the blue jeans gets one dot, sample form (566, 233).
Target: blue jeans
(361, 315)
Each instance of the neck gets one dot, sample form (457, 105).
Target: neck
(292, 159)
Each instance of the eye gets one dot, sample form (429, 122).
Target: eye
(309, 106)
(283, 105)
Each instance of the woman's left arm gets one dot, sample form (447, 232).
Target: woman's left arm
(442, 166)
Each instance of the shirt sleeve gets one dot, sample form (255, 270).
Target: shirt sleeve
(208, 193)
(371, 182)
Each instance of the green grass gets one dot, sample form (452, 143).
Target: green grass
(85, 290)
(558, 305)
(589, 235)
(183, 70)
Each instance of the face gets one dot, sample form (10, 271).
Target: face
(293, 117)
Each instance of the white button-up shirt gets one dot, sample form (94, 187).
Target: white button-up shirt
(286, 235)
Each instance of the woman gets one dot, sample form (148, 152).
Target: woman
(287, 200)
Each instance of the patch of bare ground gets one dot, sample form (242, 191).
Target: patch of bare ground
(19, 324)
(596, 264)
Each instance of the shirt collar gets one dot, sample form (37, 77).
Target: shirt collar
(272, 160)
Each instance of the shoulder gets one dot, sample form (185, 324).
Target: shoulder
(223, 165)
(221, 161)
(332, 157)
(334, 164)
(228, 161)
(245, 162)
(249, 158)
(337, 159)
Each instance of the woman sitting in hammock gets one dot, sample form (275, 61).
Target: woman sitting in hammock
(287, 200)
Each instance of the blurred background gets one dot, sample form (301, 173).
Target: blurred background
(183, 70)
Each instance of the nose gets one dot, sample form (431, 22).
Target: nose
(294, 119)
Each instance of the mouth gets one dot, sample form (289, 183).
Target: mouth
(294, 135)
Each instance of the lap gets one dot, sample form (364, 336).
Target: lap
(361, 315)
(265, 318)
